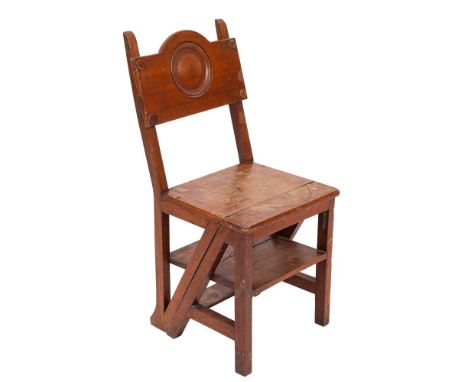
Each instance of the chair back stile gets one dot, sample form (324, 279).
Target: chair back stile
(149, 136)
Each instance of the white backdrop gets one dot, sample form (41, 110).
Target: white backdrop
(367, 96)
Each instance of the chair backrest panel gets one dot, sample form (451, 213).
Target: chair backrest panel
(188, 75)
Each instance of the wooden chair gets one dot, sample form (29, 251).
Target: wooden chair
(250, 212)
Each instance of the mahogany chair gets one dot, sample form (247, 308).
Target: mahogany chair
(250, 212)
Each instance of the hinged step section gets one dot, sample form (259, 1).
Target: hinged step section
(275, 260)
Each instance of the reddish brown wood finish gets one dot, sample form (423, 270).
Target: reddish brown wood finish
(303, 281)
(323, 273)
(290, 232)
(214, 295)
(205, 265)
(163, 282)
(214, 320)
(249, 212)
(274, 260)
(188, 75)
(246, 196)
(243, 287)
(236, 109)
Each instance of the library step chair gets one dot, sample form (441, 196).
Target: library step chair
(250, 212)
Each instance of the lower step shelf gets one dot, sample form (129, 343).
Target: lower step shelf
(274, 260)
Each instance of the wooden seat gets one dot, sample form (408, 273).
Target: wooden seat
(249, 212)
(247, 197)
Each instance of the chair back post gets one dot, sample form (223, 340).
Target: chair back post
(239, 124)
(148, 135)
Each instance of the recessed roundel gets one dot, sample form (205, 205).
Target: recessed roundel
(191, 69)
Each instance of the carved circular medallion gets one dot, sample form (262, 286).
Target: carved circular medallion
(191, 69)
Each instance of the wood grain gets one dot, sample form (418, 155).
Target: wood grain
(149, 136)
(213, 320)
(247, 195)
(189, 274)
(161, 98)
(274, 260)
(243, 284)
(303, 281)
(214, 295)
(236, 109)
(163, 277)
(191, 287)
(323, 274)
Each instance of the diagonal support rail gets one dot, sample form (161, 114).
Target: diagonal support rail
(207, 255)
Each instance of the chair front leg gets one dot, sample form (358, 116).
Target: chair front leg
(243, 304)
(323, 275)
(163, 278)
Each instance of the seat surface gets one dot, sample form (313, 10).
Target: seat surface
(248, 194)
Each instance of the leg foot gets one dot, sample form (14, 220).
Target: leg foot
(322, 293)
(243, 363)
(156, 320)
